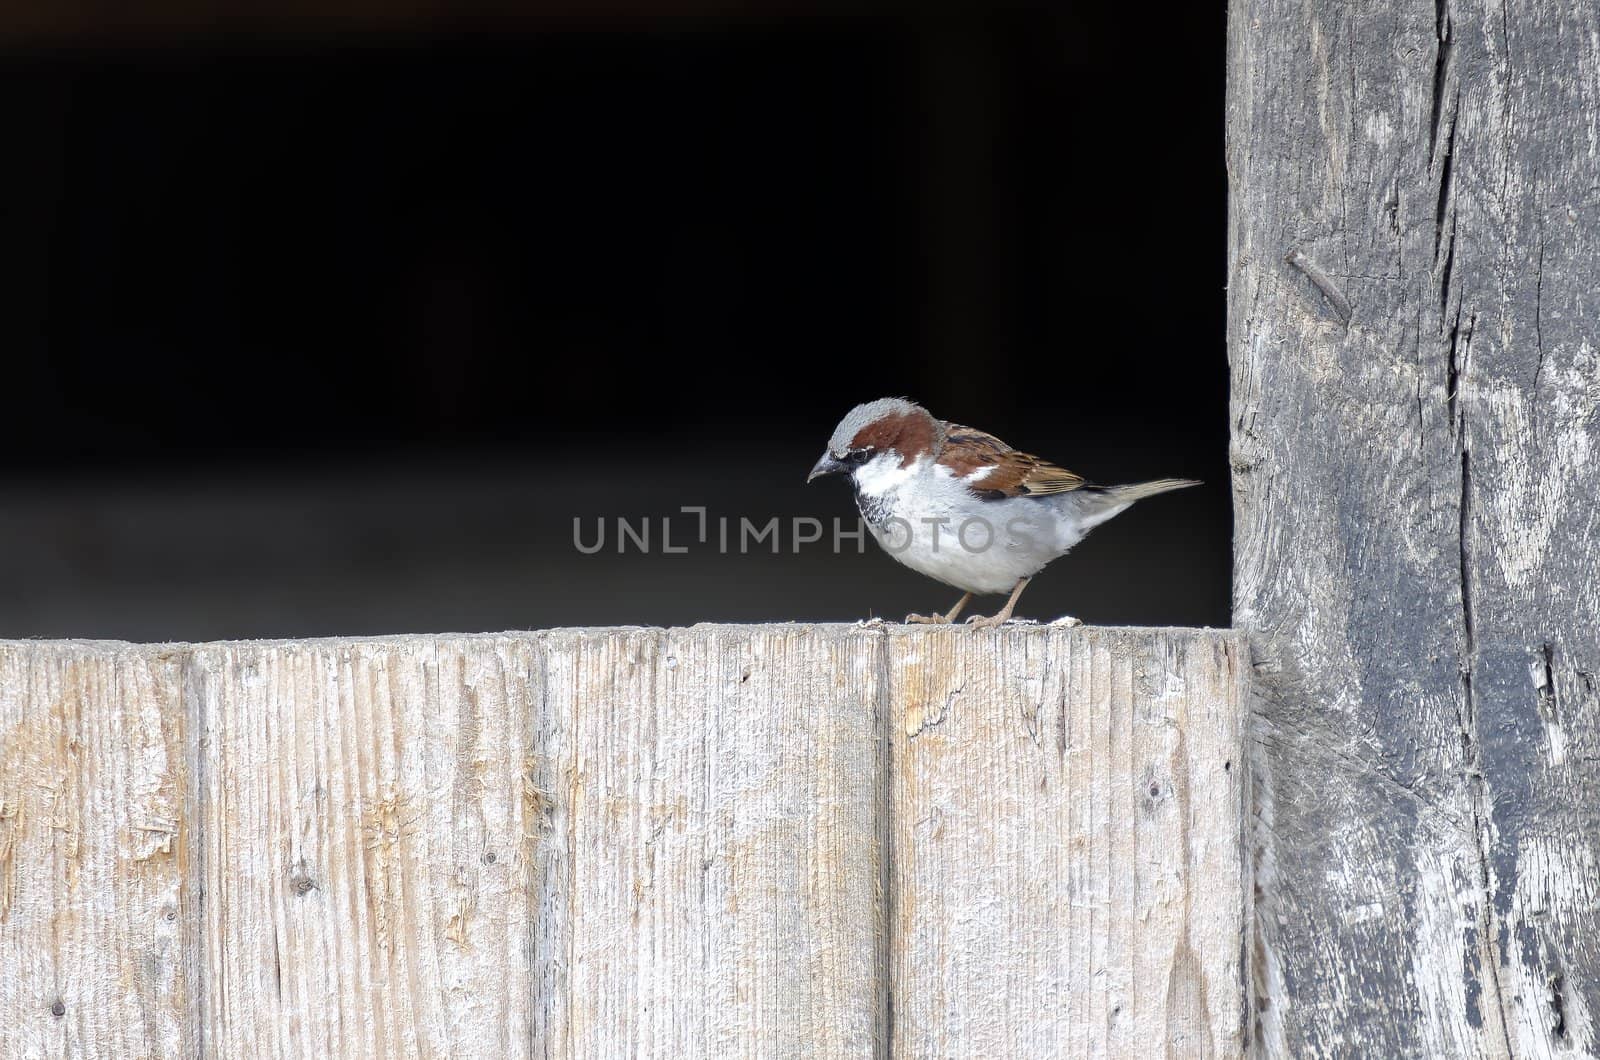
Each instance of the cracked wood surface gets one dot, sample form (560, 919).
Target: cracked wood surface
(718, 841)
(1415, 236)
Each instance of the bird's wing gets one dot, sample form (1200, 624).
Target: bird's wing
(990, 467)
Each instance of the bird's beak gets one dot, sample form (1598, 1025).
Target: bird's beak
(826, 466)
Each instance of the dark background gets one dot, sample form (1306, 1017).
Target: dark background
(331, 324)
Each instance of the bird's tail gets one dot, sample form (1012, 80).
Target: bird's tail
(1126, 495)
(1096, 504)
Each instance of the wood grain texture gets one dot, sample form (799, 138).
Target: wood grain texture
(98, 916)
(367, 838)
(719, 841)
(1068, 878)
(724, 896)
(1415, 232)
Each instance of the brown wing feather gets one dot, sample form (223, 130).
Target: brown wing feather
(1014, 474)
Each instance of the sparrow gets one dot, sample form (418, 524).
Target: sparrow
(963, 507)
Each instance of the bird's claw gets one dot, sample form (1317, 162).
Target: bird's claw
(926, 620)
(989, 621)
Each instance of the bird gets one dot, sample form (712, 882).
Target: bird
(960, 506)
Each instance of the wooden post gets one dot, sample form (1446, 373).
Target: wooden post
(770, 840)
(1414, 330)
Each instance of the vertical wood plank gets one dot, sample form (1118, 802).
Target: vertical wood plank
(1415, 359)
(723, 800)
(369, 828)
(97, 924)
(1068, 873)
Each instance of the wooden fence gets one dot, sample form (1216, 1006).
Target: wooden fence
(718, 841)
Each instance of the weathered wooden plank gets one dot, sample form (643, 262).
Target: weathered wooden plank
(711, 841)
(97, 924)
(1416, 375)
(1068, 877)
(1524, 217)
(368, 829)
(723, 800)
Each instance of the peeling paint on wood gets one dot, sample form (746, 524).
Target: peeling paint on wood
(772, 840)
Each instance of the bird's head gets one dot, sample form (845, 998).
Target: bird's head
(891, 428)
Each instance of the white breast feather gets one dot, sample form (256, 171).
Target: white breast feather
(934, 525)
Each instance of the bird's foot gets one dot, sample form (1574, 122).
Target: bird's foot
(989, 622)
(927, 620)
